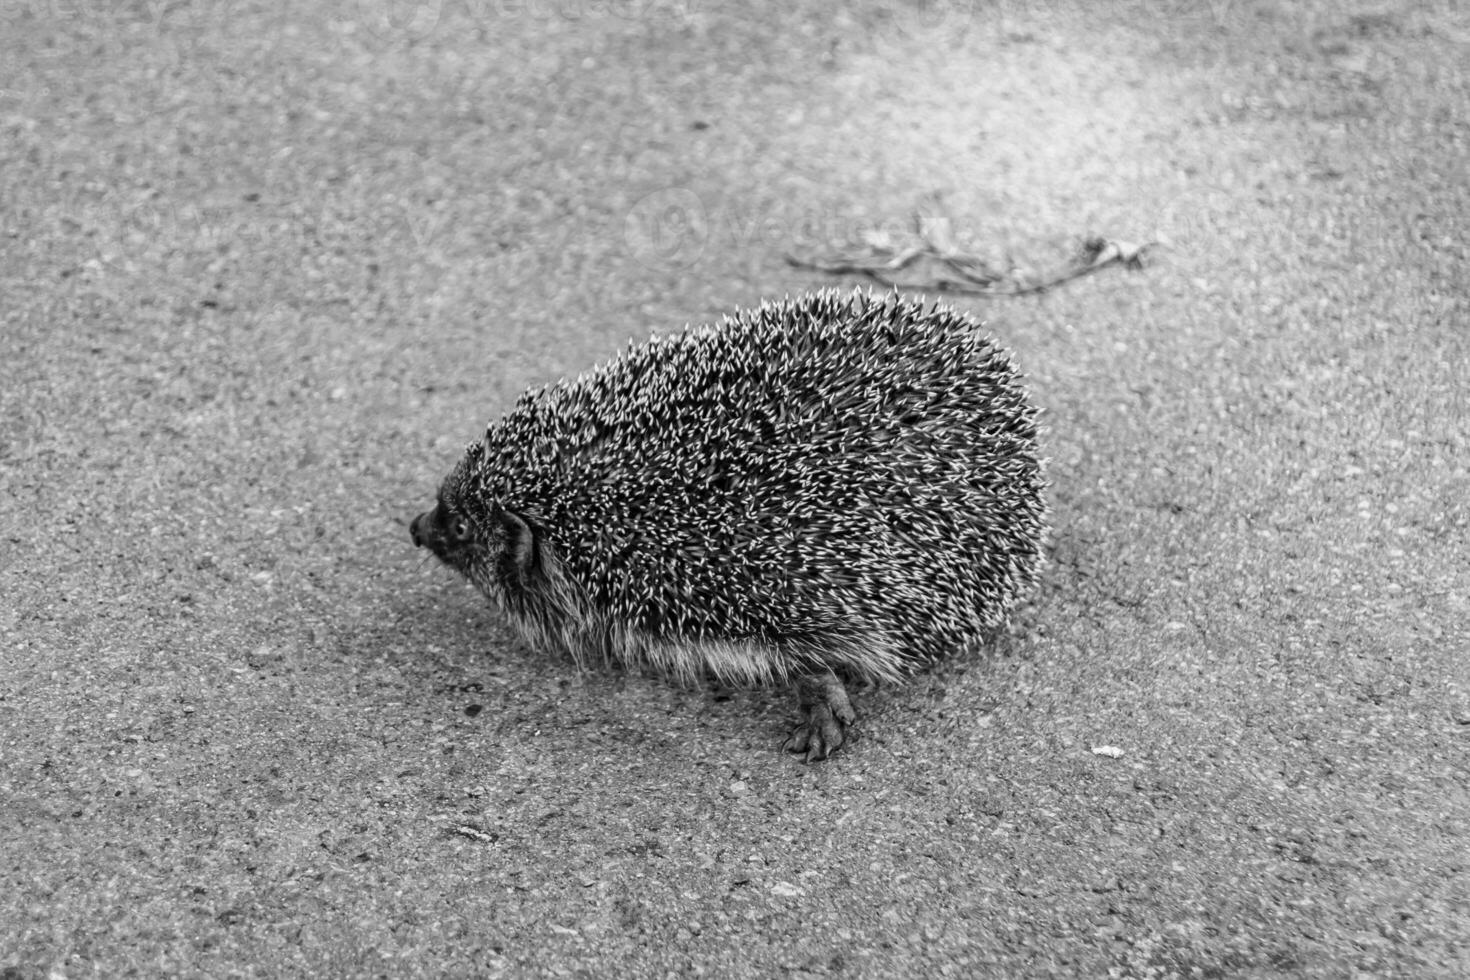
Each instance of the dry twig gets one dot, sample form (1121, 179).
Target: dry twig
(972, 274)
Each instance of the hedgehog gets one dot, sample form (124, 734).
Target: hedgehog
(828, 490)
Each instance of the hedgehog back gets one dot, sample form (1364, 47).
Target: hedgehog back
(810, 472)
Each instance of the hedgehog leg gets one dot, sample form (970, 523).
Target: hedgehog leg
(826, 712)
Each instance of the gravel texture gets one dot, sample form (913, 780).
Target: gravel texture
(265, 268)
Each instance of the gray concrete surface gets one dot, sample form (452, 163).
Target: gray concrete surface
(265, 268)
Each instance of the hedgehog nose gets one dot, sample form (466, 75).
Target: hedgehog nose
(413, 530)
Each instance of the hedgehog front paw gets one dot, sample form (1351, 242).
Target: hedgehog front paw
(826, 713)
(819, 734)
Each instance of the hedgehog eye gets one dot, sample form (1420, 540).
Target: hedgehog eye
(460, 528)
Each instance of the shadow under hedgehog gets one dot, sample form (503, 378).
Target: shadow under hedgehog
(829, 487)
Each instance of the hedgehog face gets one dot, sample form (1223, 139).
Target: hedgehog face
(498, 551)
(448, 533)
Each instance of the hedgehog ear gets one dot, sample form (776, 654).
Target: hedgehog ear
(520, 539)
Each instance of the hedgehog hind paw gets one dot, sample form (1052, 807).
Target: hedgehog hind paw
(826, 712)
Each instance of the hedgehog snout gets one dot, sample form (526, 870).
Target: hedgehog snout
(418, 528)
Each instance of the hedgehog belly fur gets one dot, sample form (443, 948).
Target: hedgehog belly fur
(572, 626)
